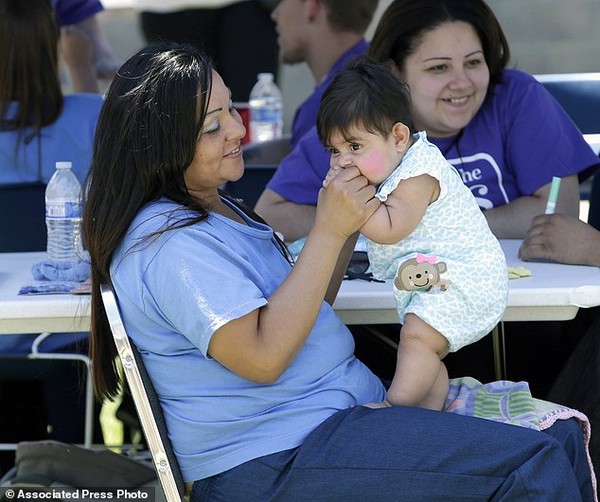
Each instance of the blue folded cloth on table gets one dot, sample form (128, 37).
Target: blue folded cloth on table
(51, 271)
(55, 287)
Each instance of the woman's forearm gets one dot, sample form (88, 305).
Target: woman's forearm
(294, 307)
(261, 345)
(561, 238)
(513, 220)
(340, 269)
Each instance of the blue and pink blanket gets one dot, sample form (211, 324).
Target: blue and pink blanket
(511, 403)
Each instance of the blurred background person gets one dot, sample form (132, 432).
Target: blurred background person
(84, 47)
(324, 34)
(239, 35)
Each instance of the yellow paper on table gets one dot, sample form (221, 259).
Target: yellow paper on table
(518, 272)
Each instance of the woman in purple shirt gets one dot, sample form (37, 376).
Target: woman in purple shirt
(499, 127)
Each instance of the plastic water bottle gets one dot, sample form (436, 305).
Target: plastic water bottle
(63, 216)
(266, 109)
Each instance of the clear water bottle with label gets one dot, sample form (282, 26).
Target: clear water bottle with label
(63, 216)
(266, 109)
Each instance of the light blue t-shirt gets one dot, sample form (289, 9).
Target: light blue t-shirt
(70, 138)
(175, 291)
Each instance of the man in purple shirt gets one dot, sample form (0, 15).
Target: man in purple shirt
(325, 35)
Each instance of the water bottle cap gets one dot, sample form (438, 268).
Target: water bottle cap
(64, 165)
(265, 76)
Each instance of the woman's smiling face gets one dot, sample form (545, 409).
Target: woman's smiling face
(448, 79)
(218, 157)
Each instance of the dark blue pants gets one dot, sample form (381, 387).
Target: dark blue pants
(412, 454)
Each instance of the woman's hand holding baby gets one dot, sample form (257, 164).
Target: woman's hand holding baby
(332, 173)
(346, 201)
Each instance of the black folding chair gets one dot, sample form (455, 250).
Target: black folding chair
(22, 221)
(146, 402)
(579, 95)
(594, 213)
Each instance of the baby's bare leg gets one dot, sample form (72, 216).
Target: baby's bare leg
(436, 398)
(421, 378)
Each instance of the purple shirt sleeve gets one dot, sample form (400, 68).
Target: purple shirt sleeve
(542, 141)
(300, 175)
(73, 11)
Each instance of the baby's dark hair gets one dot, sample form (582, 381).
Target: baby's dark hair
(364, 94)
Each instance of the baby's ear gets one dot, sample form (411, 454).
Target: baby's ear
(401, 134)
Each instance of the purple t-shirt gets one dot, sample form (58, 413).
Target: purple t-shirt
(518, 140)
(73, 11)
(306, 114)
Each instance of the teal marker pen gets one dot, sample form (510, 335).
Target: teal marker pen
(553, 195)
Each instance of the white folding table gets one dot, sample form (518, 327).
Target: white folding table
(554, 292)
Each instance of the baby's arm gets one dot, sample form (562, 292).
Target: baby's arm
(404, 208)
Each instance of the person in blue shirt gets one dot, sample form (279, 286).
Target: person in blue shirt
(39, 124)
(74, 11)
(38, 127)
(256, 375)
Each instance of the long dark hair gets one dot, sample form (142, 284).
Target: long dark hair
(145, 139)
(28, 65)
(405, 22)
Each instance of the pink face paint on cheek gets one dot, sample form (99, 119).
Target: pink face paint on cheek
(372, 165)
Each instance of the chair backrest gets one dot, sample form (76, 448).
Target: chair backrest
(594, 213)
(251, 184)
(146, 402)
(22, 217)
(579, 95)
